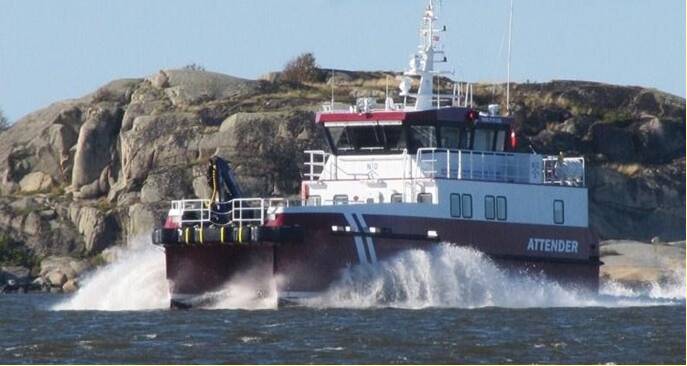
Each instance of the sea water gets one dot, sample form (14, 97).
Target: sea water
(446, 305)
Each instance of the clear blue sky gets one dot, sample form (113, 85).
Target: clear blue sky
(52, 50)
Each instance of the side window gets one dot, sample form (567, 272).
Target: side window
(489, 210)
(370, 200)
(396, 198)
(467, 206)
(500, 140)
(558, 212)
(314, 201)
(424, 198)
(340, 199)
(484, 139)
(450, 137)
(455, 205)
(422, 136)
(501, 208)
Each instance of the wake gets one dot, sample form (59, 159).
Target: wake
(458, 277)
(134, 281)
(445, 276)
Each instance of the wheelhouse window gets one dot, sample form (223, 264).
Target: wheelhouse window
(558, 212)
(467, 206)
(455, 205)
(365, 137)
(500, 140)
(396, 198)
(422, 136)
(424, 198)
(484, 139)
(501, 208)
(340, 138)
(450, 137)
(394, 137)
(489, 209)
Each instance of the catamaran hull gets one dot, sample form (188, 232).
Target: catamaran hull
(309, 265)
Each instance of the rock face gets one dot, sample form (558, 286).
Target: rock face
(84, 175)
(640, 265)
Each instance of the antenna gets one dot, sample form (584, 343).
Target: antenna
(332, 80)
(386, 94)
(510, 36)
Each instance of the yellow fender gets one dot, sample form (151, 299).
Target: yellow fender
(221, 235)
(186, 235)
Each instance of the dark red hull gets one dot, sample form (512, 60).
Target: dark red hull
(314, 263)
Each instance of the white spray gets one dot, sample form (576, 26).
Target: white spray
(451, 276)
(134, 281)
(445, 276)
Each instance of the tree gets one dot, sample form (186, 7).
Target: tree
(4, 122)
(301, 69)
(194, 66)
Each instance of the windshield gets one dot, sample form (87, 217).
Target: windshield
(367, 138)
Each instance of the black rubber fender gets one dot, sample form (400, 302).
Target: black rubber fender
(165, 236)
(278, 234)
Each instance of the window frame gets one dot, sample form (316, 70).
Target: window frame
(505, 208)
(394, 195)
(492, 206)
(336, 201)
(463, 205)
(562, 203)
(460, 203)
(425, 194)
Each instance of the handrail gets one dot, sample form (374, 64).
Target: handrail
(498, 166)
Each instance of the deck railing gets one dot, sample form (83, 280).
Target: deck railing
(238, 211)
(452, 164)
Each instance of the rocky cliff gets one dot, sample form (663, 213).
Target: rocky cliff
(86, 174)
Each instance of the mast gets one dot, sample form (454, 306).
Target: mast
(510, 32)
(422, 62)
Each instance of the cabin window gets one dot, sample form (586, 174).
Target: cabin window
(423, 136)
(501, 208)
(340, 199)
(370, 200)
(424, 198)
(450, 137)
(314, 201)
(489, 209)
(340, 138)
(396, 198)
(395, 139)
(467, 206)
(465, 139)
(366, 137)
(558, 212)
(484, 139)
(500, 140)
(455, 204)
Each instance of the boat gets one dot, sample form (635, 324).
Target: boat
(429, 170)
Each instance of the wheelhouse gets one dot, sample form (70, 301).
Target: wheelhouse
(393, 132)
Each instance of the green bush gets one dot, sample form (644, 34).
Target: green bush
(13, 254)
(301, 69)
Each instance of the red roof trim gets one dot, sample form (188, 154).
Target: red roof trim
(351, 117)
